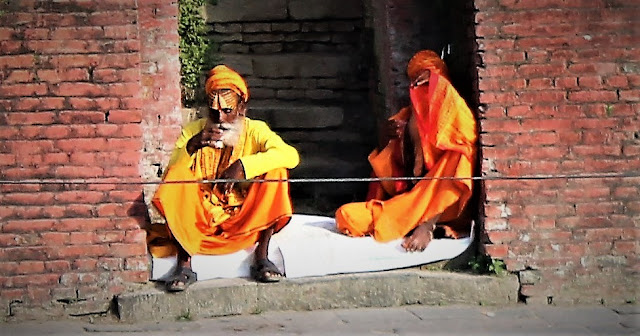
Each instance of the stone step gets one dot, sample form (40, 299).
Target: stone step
(286, 115)
(233, 11)
(222, 297)
(290, 65)
(329, 167)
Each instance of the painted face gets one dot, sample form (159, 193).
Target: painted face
(224, 106)
(422, 79)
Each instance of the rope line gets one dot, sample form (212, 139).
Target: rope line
(318, 180)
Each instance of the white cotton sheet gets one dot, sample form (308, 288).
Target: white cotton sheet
(310, 246)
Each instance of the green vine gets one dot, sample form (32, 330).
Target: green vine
(196, 51)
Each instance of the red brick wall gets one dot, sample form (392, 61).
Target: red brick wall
(160, 76)
(560, 95)
(81, 84)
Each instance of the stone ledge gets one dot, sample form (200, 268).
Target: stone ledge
(322, 9)
(291, 65)
(222, 297)
(296, 116)
(245, 10)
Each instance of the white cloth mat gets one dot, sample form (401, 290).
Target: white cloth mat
(310, 246)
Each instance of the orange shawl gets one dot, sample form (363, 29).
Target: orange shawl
(447, 130)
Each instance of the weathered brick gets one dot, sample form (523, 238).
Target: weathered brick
(592, 96)
(110, 18)
(84, 225)
(90, 197)
(34, 280)
(126, 250)
(56, 266)
(19, 90)
(30, 267)
(542, 96)
(26, 226)
(82, 145)
(78, 172)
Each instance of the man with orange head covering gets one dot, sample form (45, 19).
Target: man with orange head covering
(224, 217)
(433, 138)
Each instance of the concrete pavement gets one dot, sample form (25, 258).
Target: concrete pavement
(516, 319)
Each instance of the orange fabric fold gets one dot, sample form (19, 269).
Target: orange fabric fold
(448, 136)
(223, 77)
(202, 226)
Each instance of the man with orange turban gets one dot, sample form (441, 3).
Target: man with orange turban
(434, 138)
(223, 218)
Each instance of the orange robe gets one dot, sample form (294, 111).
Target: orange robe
(447, 130)
(204, 223)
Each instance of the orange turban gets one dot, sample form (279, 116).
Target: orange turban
(423, 60)
(223, 77)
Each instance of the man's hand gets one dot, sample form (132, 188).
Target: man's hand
(391, 129)
(235, 172)
(209, 136)
(394, 129)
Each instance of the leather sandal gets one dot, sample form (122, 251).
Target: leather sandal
(265, 271)
(181, 280)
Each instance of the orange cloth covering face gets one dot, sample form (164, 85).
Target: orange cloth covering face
(447, 131)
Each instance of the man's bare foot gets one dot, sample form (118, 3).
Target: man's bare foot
(419, 238)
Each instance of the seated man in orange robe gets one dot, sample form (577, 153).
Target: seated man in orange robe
(435, 139)
(221, 218)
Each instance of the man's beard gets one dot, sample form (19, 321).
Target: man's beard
(231, 132)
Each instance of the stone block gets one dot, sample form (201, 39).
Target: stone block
(346, 137)
(261, 93)
(226, 28)
(254, 82)
(204, 299)
(243, 64)
(322, 48)
(223, 297)
(530, 277)
(234, 48)
(319, 26)
(331, 83)
(304, 83)
(86, 307)
(266, 48)
(345, 38)
(322, 9)
(294, 116)
(302, 65)
(342, 26)
(296, 47)
(285, 27)
(312, 165)
(245, 10)
(278, 83)
(290, 94)
(262, 38)
(322, 94)
(220, 38)
(256, 27)
(309, 37)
